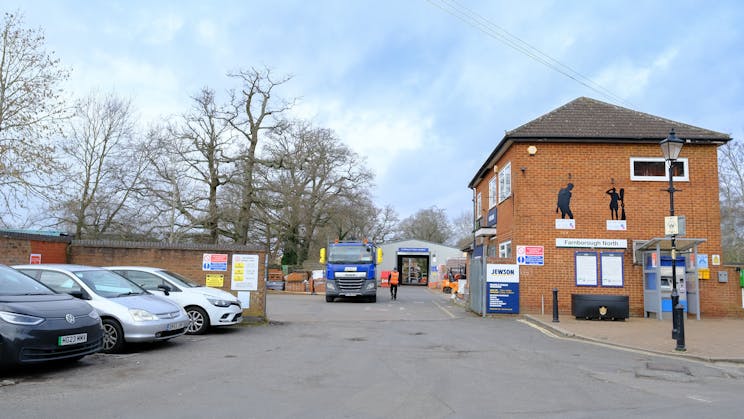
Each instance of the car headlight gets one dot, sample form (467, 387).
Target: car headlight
(140, 315)
(20, 319)
(219, 303)
(331, 285)
(370, 285)
(94, 315)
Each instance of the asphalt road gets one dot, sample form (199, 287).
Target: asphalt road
(421, 356)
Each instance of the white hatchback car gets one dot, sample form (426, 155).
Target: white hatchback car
(205, 306)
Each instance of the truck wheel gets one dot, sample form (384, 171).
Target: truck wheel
(329, 299)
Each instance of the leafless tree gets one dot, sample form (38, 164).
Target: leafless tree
(193, 163)
(103, 169)
(731, 179)
(252, 112)
(462, 227)
(31, 108)
(314, 178)
(429, 224)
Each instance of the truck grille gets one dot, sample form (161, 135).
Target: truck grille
(349, 284)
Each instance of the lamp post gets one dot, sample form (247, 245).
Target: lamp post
(671, 147)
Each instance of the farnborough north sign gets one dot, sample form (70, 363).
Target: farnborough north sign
(592, 243)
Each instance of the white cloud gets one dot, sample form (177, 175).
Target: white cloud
(629, 79)
(162, 29)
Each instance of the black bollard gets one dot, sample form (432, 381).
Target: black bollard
(680, 326)
(555, 305)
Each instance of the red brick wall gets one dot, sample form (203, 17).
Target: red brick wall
(528, 216)
(51, 252)
(187, 262)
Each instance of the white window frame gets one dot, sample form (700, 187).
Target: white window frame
(479, 206)
(665, 178)
(505, 182)
(505, 249)
(492, 198)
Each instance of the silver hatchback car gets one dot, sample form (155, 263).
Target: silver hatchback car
(128, 312)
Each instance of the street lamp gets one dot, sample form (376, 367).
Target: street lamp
(671, 147)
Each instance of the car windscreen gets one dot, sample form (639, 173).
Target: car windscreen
(13, 282)
(180, 280)
(109, 284)
(350, 254)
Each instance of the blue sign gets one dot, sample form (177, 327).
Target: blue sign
(491, 217)
(502, 297)
(214, 266)
(413, 249)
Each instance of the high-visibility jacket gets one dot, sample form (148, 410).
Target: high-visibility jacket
(394, 278)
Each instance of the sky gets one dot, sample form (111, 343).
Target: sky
(422, 95)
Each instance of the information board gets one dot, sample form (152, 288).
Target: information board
(502, 288)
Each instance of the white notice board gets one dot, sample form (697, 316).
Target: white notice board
(586, 269)
(612, 269)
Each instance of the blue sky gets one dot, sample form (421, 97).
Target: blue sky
(422, 95)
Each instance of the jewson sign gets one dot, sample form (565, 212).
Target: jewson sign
(502, 288)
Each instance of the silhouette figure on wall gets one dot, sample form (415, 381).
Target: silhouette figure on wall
(564, 201)
(614, 199)
(622, 203)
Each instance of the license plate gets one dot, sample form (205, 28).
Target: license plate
(174, 326)
(72, 339)
(350, 294)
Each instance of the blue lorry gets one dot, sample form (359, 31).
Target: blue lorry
(351, 269)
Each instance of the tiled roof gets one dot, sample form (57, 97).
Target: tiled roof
(589, 118)
(592, 121)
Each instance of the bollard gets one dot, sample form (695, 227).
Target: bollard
(679, 310)
(555, 305)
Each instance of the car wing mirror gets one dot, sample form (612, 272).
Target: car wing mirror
(166, 289)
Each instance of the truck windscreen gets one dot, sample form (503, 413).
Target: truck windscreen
(350, 254)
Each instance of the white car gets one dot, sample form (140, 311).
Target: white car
(205, 306)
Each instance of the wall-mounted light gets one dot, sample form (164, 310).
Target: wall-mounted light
(495, 168)
(532, 150)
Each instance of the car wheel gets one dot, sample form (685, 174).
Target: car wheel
(198, 321)
(113, 336)
(329, 299)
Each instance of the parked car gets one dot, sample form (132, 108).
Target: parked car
(275, 284)
(38, 325)
(128, 312)
(205, 306)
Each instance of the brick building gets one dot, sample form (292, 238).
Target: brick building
(594, 147)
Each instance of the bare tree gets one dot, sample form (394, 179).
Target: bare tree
(314, 179)
(252, 111)
(194, 162)
(103, 168)
(429, 224)
(731, 180)
(31, 109)
(462, 227)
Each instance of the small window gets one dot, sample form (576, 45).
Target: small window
(505, 182)
(656, 169)
(505, 250)
(492, 198)
(478, 207)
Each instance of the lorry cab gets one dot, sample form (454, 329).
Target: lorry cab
(351, 269)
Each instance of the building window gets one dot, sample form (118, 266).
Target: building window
(478, 207)
(505, 250)
(505, 182)
(656, 169)
(492, 192)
